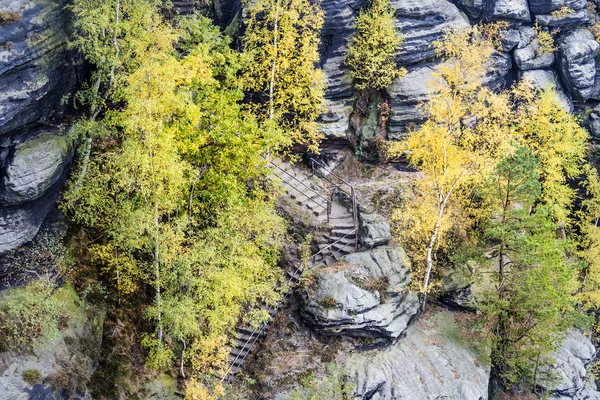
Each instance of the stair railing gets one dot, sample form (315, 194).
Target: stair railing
(340, 184)
(257, 332)
(295, 180)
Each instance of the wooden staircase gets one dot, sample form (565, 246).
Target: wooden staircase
(309, 188)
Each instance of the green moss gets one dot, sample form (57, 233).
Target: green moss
(9, 17)
(328, 302)
(32, 376)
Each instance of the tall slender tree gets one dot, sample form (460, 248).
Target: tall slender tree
(281, 77)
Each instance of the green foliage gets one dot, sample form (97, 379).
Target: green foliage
(30, 316)
(530, 307)
(372, 53)
(328, 302)
(176, 193)
(279, 74)
(32, 376)
(332, 387)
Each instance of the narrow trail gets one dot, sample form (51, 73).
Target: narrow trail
(332, 202)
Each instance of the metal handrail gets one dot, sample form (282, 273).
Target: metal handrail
(352, 193)
(259, 332)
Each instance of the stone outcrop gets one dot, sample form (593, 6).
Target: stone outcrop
(422, 22)
(578, 51)
(406, 94)
(365, 295)
(529, 54)
(433, 361)
(571, 379)
(374, 230)
(335, 36)
(36, 72)
(517, 10)
(32, 173)
(546, 79)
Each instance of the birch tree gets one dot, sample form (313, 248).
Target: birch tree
(280, 74)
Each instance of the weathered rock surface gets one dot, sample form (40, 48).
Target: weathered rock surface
(572, 380)
(572, 19)
(35, 70)
(529, 54)
(374, 230)
(578, 50)
(517, 10)
(548, 6)
(546, 79)
(36, 165)
(335, 36)
(421, 23)
(364, 296)
(406, 94)
(433, 361)
(457, 281)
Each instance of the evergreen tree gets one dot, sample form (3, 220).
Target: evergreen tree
(529, 308)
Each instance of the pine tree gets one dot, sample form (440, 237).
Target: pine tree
(529, 308)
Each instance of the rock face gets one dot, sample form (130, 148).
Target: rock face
(432, 362)
(547, 79)
(35, 74)
(529, 54)
(421, 23)
(335, 36)
(572, 380)
(578, 50)
(406, 94)
(374, 231)
(365, 295)
(517, 10)
(31, 177)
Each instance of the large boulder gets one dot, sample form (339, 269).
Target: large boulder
(421, 23)
(571, 19)
(578, 50)
(35, 69)
(433, 361)
(569, 377)
(517, 10)
(529, 54)
(365, 295)
(336, 34)
(37, 164)
(33, 171)
(374, 230)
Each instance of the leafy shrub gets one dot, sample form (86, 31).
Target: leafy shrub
(545, 40)
(371, 55)
(29, 316)
(328, 302)
(9, 17)
(32, 376)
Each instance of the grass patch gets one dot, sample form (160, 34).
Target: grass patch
(9, 17)
(32, 376)
(328, 302)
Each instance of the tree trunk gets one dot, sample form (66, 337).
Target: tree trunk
(430, 247)
(157, 274)
(272, 81)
